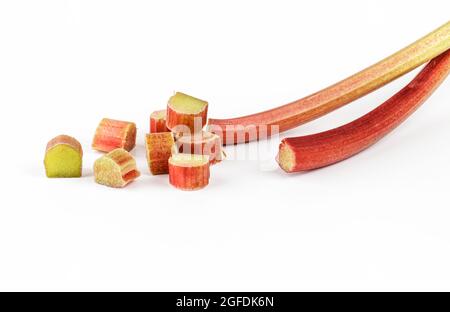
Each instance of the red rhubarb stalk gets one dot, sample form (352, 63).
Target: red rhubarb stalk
(112, 134)
(116, 169)
(326, 148)
(158, 122)
(186, 114)
(256, 126)
(189, 172)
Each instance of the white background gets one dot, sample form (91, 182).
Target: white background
(378, 221)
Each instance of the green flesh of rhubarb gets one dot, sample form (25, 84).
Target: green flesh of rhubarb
(63, 161)
(181, 102)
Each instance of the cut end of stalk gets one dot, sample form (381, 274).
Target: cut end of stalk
(116, 169)
(188, 160)
(291, 115)
(63, 157)
(189, 172)
(159, 147)
(187, 104)
(286, 157)
(159, 114)
(130, 137)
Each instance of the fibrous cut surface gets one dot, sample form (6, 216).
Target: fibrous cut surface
(159, 148)
(63, 157)
(115, 169)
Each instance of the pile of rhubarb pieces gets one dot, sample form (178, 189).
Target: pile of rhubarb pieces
(177, 145)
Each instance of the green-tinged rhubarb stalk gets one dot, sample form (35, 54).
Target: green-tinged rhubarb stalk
(249, 128)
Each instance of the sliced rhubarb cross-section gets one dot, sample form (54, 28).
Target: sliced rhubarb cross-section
(159, 147)
(115, 169)
(189, 172)
(63, 157)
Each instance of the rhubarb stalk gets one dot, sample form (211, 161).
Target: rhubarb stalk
(63, 157)
(326, 148)
(189, 172)
(116, 169)
(158, 121)
(186, 114)
(112, 134)
(159, 147)
(249, 128)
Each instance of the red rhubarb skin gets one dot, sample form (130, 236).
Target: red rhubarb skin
(189, 178)
(112, 134)
(234, 130)
(158, 124)
(329, 147)
(65, 139)
(175, 119)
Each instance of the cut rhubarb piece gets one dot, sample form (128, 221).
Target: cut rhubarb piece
(282, 118)
(112, 134)
(115, 169)
(158, 121)
(159, 148)
(203, 143)
(186, 114)
(329, 147)
(189, 172)
(63, 157)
